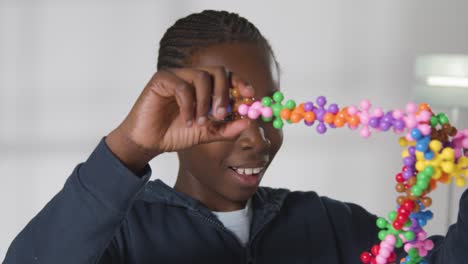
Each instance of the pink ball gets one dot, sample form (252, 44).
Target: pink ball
(364, 118)
(267, 112)
(424, 116)
(410, 122)
(464, 143)
(378, 112)
(352, 110)
(380, 260)
(390, 239)
(365, 104)
(257, 105)
(425, 129)
(411, 108)
(398, 114)
(365, 132)
(253, 113)
(243, 109)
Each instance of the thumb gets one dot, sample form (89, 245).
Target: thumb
(219, 131)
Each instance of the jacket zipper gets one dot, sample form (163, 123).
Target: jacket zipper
(224, 229)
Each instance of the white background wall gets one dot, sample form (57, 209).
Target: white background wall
(70, 71)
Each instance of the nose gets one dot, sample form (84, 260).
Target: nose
(253, 138)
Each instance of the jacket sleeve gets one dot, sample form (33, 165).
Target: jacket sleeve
(453, 248)
(78, 224)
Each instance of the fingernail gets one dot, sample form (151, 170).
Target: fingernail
(249, 86)
(189, 123)
(201, 120)
(221, 111)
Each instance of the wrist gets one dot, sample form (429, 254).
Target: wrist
(132, 155)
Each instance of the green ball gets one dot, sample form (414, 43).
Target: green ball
(278, 96)
(266, 101)
(416, 190)
(381, 222)
(413, 252)
(429, 170)
(290, 104)
(434, 121)
(443, 119)
(267, 119)
(277, 109)
(422, 184)
(278, 123)
(392, 215)
(382, 234)
(408, 235)
(398, 243)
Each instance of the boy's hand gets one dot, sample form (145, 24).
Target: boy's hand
(171, 114)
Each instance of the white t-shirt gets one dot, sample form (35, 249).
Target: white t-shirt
(238, 222)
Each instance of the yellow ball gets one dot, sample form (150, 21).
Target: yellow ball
(435, 145)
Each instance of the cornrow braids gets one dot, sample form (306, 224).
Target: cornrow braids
(200, 30)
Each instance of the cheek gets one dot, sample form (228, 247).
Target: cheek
(209, 157)
(275, 136)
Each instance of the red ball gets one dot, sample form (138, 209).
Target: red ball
(392, 257)
(397, 225)
(366, 257)
(375, 250)
(408, 205)
(401, 218)
(399, 177)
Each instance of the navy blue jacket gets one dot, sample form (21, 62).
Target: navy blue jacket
(106, 214)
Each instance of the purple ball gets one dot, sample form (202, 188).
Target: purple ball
(319, 113)
(321, 100)
(374, 122)
(308, 107)
(407, 174)
(308, 123)
(385, 126)
(321, 128)
(408, 161)
(333, 108)
(412, 150)
(387, 118)
(399, 124)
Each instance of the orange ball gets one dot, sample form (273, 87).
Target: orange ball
(339, 122)
(285, 114)
(296, 117)
(299, 109)
(328, 118)
(309, 117)
(424, 106)
(353, 120)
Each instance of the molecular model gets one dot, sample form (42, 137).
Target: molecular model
(433, 152)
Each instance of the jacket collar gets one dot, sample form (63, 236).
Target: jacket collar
(266, 202)
(157, 191)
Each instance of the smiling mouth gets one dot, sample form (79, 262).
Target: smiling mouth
(248, 177)
(248, 171)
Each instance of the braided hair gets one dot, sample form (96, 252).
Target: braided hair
(200, 30)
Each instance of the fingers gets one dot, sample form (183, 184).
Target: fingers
(193, 90)
(245, 89)
(167, 84)
(218, 131)
(220, 90)
(210, 83)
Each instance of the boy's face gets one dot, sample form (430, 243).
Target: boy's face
(208, 172)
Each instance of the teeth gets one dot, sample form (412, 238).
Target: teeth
(248, 171)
